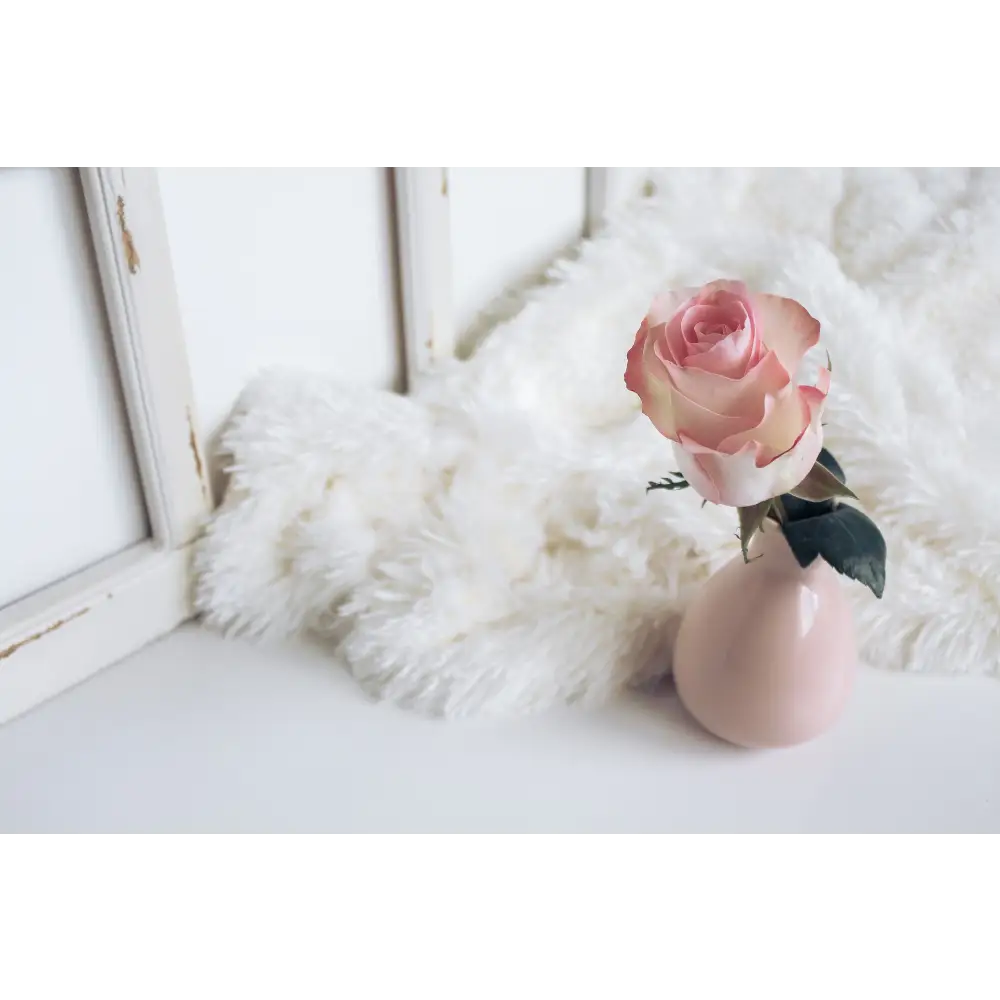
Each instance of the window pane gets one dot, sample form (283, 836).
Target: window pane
(69, 488)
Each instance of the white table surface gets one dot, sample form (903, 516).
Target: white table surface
(197, 733)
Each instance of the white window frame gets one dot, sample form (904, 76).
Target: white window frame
(423, 242)
(66, 632)
(423, 249)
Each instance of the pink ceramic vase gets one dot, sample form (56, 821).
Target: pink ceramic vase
(766, 653)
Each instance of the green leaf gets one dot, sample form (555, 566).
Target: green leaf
(796, 509)
(847, 539)
(751, 519)
(821, 484)
(827, 460)
(669, 484)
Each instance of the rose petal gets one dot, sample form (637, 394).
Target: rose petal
(667, 303)
(713, 369)
(707, 337)
(730, 356)
(785, 417)
(758, 349)
(695, 314)
(635, 380)
(672, 410)
(655, 355)
(672, 346)
(700, 321)
(706, 425)
(736, 480)
(708, 473)
(658, 406)
(673, 335)
(791, 467)
(815, 395)
(655, 394)
(822, 385)
(743, 397)
(736, 288)
(666, 308)
(785, 327)
(697, 350)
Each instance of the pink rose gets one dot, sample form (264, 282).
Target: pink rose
(714, 368)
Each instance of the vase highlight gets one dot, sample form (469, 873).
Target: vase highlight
(766, 654)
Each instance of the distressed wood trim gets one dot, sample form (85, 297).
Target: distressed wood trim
(133, 256)
(596, 199)
(71, 629)
(62, 634)
(423, 250)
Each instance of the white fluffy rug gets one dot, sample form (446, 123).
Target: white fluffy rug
(486, 545)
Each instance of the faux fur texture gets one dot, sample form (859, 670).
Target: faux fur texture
(486, 545)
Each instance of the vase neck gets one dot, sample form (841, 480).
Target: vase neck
(770, 550)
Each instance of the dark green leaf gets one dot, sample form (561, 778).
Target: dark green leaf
(829, 462)
(847, 539)
(821, 484)
(796, 509)
(669, 484)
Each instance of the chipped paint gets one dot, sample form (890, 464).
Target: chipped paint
(131, 254)
(199, 467)
(12, 649)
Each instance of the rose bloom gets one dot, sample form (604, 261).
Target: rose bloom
(715, 370)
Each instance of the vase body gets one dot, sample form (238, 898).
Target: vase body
(766, 653)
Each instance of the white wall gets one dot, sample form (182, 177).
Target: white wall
(296, 267)
(289, 267)
(506, 226)
(69, 491)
